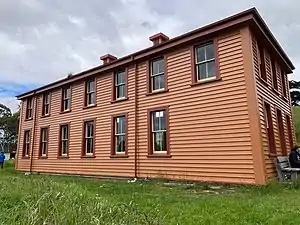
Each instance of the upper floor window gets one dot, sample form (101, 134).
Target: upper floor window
(88, 140)
(119, 131)
(157, 74)
(205, 62)
(44, 142)
(29, 108)
(158, 131)
(274, 75)
(64, 140)
(120, 85)
(26, 144)
(261, 61)
(90, 88)
(66, 99)
(283, 83)
(46, 104)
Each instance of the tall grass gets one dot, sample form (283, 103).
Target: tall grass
(59, 200)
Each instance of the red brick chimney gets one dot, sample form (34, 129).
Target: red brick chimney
(158, 38)
(108, 58)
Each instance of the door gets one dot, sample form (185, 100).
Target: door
(281, 132)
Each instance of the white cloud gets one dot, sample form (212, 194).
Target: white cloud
(42, 41)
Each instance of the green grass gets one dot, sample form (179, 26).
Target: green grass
(62, 200)
(296, 116)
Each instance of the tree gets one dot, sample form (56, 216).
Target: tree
(295, 92)
(9, 123)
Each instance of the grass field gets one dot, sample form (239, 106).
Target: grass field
(61, 200)
(296, 116)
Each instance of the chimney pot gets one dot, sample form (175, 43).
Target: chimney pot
(108, 58)
(158, 38)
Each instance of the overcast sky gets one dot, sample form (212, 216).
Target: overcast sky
(43, 40)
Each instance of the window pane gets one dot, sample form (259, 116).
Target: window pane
(46, 109)
(44, 148)
(89, 129)
(29, 103)
(64, 147)
(159, 120)
(158, 82)
(157, 66)
(210, 54)
(160, 141)
(201, 71)
(120, 125)
(66, 93)
(27, 149)
(46, 99)
(121, 91)
(64, 132)
(89, 145)
(66, 104)
(120, 78)
(91, 98)
(90, 86)
(120, 143)
(44, 134)
(200, 54)
(211, 69)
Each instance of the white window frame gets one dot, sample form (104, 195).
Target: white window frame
(86, 138)
(44, 142)
(206, 61)
(64, 139)
(46, 104)
(89, 93)
(116, 135)
(152, 76)
(117, 85)
(66, 98)
(27, 143)
(153, 132)
(29, 108)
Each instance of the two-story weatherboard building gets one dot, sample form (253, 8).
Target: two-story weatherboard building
(209, 105)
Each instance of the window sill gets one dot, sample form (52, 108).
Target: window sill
(43, 157)
(206, 81)
(157, 92)
(163, 155)
(63, 157)
(25, 157)
(89, 106)
(44, 116)
(63, 112)
(119, 100)
(119, 156)
(29, 119)
(88, 156)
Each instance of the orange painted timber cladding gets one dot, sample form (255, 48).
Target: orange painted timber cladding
(209, 124)
(265, 92)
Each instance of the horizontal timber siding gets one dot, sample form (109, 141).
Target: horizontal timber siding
(266, 93)
(208, 124)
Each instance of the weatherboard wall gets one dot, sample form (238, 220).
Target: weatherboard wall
(208, 123)
(266, 93)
